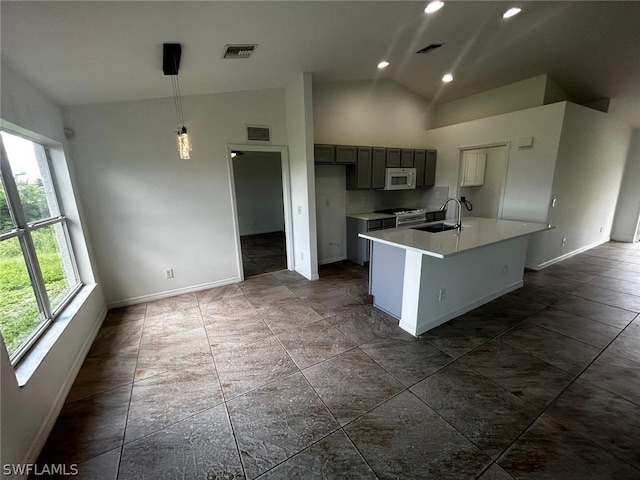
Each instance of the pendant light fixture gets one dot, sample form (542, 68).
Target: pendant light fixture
(171, 53)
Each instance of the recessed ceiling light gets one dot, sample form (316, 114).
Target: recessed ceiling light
(447, 78)
(434, 7)
(512, 12)
(383, 64)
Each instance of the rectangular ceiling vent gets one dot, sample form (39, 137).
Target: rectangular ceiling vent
(238, 51)
(257, 133)
(430, 48)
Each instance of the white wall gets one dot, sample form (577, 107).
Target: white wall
(146, 209)
(530, 170)
(591, 159)
(29, 412)
(625, 225)
(258, 182)
(300, 136)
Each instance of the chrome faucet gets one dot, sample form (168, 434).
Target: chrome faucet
(458, 225)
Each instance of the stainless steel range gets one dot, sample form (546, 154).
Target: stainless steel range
(406, 216)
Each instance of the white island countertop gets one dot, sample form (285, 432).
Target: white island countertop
(475, 233)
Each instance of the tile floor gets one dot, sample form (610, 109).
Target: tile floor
(263, 253)
(279, 378)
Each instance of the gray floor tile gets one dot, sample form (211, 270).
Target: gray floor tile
(169, 323)
(125, 314)
(628, 343)
(582, 267)
(314, 343)
(580, 328)
(599, 312)
(603, 262)
(609, 297)
(408, 359)
(621, 274)
(549, 450)
(228, 333)
(608, 420)
(218, 293)
(351, 384)
(554, 348)
(201, 446)
(495, 472)
(333, 457)
(332, 305)
(482, 411)
(568, 274)
(270, 295)
(404, 438)
(364, 323)
(527, 377)
(543, 295)
(617, 284)
(102, 467)
(287, 314)
(114, 337)
(170, 304)
(88, 428)
(616, 374)
(249, 367)
(170, 397)
(277, 421)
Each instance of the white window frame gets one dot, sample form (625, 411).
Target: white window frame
(22, 230)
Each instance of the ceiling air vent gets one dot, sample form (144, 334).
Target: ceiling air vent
(257, 133)
(430, 48)
(238, 51)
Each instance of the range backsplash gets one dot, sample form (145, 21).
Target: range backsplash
(360, 201)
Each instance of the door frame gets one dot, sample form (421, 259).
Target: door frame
(503, 188)
(286, 198)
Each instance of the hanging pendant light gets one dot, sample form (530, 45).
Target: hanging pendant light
(171, 66)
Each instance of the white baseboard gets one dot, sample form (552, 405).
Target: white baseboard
(566, 255)
(445, 317)
(332, 260)
(45, 430)
(172, 293)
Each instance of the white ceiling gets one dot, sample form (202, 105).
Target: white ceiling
(91, 51)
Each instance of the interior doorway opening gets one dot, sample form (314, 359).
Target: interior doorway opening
(261, 200)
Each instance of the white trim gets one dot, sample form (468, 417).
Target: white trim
(47, 426)
(566, 255)
(172, 293)
(332, 260)
(286, 199)
(445, 317)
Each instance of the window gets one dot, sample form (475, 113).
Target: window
(38, 273)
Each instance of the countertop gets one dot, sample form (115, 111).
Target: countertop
(380, 216)
(475, 233)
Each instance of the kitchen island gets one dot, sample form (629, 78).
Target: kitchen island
(425, 279)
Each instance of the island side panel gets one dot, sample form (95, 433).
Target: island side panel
(387, 277)
(471, 279)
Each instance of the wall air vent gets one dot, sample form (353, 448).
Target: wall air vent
(238, 51)
(257, 133)
(430, 48)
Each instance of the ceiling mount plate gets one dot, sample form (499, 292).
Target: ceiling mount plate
(171, 53)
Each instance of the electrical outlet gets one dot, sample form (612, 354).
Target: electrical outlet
(553, 202)
(436, 195)
(443, 294)
(327, 202)
(564, 242)
(362, 199)
(168, 273)
(299, 210)
(301, 255)
(601, 229)
(505, 269)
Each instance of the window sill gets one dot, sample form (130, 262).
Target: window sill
(34, 358)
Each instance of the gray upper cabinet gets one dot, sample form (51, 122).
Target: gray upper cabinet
(430, 168)
(324, 154)
(393, 157)
(420, 158)
(359, 175)
(406, 158)
(378, 166)
(346, 154)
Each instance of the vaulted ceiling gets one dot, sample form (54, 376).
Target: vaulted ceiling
(92, 51)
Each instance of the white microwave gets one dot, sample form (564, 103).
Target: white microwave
(400, 179)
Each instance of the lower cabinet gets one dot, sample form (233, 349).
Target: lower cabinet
(358, 248)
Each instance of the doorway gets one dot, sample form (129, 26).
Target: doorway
(261, 202)
(486, 194)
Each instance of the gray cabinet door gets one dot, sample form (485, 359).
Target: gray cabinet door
(359, 175)
(393, 157)
(420, 158)
(430, 168)
(406, 158)
(324, 154)
(378, 166)
(346, 155)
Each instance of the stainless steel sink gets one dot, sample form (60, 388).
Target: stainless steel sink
(435, 227)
